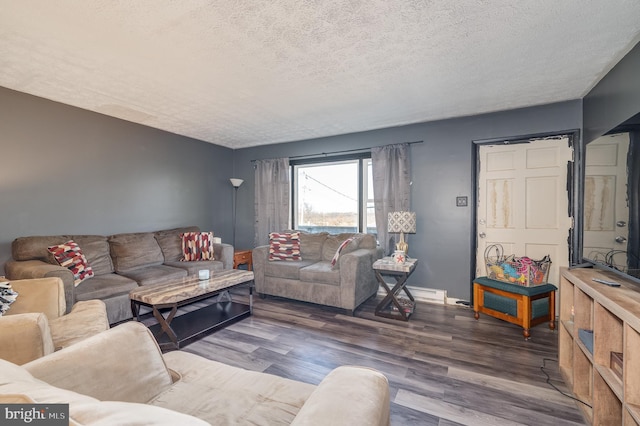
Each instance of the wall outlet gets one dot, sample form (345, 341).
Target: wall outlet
(462, 201)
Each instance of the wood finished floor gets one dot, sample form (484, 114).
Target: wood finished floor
(444, 367)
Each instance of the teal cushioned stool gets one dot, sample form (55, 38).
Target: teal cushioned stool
(523, 306)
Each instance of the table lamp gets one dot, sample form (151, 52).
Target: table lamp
(402, 222)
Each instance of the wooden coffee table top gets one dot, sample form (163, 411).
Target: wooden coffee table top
(190, 287)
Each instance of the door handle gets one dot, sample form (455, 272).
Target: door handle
(620, 239)
(621, 224)
(482, 235)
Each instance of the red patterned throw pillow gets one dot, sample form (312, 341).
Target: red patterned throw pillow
(197, 246)
(336, 256)
(284, 246)
(70, 256)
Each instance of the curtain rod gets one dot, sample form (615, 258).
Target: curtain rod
(346, 151)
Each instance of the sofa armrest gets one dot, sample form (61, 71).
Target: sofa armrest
(25, 337)
(357, 279)
(86, 318)
(260, 256)
(25, 269)
(44, 295)
(224, 253)
(123, 363)
(349, 395)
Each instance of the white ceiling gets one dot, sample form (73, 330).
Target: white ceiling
(242, 73)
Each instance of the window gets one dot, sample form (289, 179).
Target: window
(335, 196)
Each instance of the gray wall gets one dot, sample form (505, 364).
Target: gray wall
(65, 170)
(442, 168)
(615, 98)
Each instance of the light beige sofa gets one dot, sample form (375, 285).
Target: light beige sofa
(36, 325)
(121, 377)
(120, 263)
(313, 279)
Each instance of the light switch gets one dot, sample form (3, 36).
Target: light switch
(462, 201)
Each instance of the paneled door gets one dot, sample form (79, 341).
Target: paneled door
(523, 201)
(606, 213)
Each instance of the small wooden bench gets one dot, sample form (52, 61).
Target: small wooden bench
(523, 306)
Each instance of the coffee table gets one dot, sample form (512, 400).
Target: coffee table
(173, 331)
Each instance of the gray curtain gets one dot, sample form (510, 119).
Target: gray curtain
(271, 198)
(391, 187)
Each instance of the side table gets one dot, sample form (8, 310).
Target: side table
(242, 257)
(400, 271)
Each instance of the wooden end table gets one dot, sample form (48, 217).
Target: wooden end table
(400, 271)
(172, 331)
(242, 257)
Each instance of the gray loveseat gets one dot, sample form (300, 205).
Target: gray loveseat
(120, 263)
(313, 279)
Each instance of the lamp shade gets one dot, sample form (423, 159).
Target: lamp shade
(236, 182)
(402, 222)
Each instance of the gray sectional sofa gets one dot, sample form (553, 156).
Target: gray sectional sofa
(313, 279)
(120, 263)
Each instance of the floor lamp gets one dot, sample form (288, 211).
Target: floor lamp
(236, 184)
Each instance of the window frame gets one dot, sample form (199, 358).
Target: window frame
(362, 159)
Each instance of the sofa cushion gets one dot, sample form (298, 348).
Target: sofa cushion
(70, 256)
(96, 249)
(170, 242)
(157, 274)
(225, 395)
(320, 272)
(311, 245)
(193, 267)
(284, 246)
(289, 270)
(44, 295)
(197, 246)
(126, 365)
(25, 337)
(367, 241)
(332, 244)
(104, 287)
(127, 413)
(86, 319)
(135, 250)
(17, 380)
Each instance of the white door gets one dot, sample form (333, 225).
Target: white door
(606, 213)
(523, 202)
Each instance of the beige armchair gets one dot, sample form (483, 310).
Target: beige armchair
(36, 324)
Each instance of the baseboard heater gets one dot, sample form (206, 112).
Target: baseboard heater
(422, 294)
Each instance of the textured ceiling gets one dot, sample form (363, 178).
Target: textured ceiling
(242, 73)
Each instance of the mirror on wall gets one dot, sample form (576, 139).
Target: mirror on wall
(611, 213)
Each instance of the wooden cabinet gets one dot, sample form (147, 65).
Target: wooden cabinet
(596, 320)
(242, 257)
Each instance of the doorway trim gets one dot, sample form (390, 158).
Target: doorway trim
(575, 179)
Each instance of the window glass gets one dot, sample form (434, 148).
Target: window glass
(334, 196)
(370, 214)
(326, 197)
